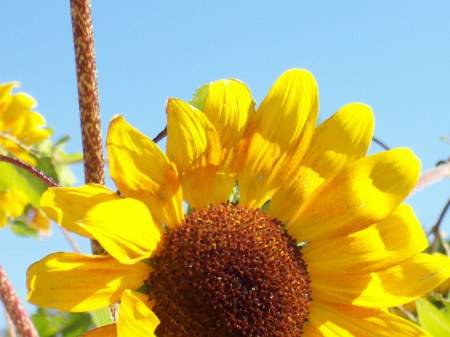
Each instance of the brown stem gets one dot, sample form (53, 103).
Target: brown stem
(379, 142)
(87, 91)
(14, 308)
(30, 169)
(160, 135)
(83, 37)
(436, 230)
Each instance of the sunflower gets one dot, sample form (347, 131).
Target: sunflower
(290, 230)
(20, 128)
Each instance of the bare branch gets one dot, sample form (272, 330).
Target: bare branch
(433, 176)
(160, 135)
(379, 142)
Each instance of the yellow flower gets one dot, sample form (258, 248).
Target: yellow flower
(12, 204)
(332, 251)
(20, 127)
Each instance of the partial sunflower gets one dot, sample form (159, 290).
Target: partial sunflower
(12, 204)
(20, 127)
(332, 250)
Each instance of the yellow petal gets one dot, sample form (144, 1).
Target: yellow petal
(135, 316)
(377, 247)
(194, 146)
(142, 171)
(5, 94)
(123, 226)
(362, 193)
(40, 221)
(228, 106)
(278, 134)
(13, 202)
(341, 139)
(334, 320)
(78, 283)
(391, 287)
(104, 331)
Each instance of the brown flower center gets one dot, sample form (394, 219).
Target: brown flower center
(229, 271)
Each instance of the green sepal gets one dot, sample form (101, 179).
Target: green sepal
(50, 323)
(432, 319)
(101, 317)
(200, 96)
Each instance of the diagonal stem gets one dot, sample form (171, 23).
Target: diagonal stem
(14, 308)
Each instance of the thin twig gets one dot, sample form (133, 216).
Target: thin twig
(379, 142)
(432, 176)
(160, 135)
(70, 240)
(14, 308)
(30, 169)
(436, 231)
(407, 313)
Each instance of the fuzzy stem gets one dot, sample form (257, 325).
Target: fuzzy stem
(83, 37)
(14, 308)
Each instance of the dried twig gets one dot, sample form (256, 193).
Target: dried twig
(436, 231)
(379, 142)
(160, 135)
(432, 176)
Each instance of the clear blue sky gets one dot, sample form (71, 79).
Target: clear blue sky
(392, 55)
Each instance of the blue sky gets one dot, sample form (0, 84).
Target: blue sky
(393, 56)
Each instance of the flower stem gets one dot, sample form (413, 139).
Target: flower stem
(160, 135)
(14, 308)
(30, 169)
(83, 37)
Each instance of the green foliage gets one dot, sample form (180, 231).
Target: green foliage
(13, 176)
(200, 96)
(434, 320)
(51, 323)
(101, 317)
(54, 162)
(21, 228)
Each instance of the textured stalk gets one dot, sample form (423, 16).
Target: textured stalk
(14, 308)
(88, 96)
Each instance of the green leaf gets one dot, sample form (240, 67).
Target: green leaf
(50, 323)
(21, 228)
(45, 164)
(433, 320)
(200, 96)
(13, 176)
(101, 317)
